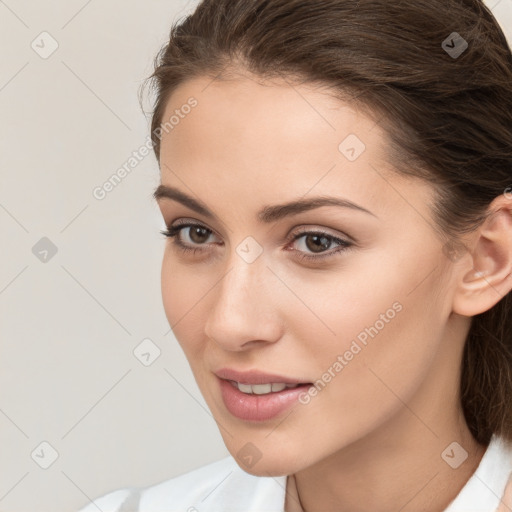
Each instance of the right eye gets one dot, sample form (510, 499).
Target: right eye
(196, 230)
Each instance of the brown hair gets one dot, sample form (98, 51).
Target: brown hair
(448, 116)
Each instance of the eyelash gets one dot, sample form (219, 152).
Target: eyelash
(173, 231)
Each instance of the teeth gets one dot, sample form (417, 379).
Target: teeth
(262, 389)
(245, 388)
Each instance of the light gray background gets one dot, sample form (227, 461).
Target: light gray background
(69, 325)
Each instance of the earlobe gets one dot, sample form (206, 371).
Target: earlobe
(490, 277)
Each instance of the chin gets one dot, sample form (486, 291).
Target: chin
(273, 462)
(268, 468)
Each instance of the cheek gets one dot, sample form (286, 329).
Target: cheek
(382, 297)
(182, 291)
(172, 286)
(387, 332)
(387, 340)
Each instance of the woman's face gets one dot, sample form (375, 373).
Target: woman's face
(365, 320)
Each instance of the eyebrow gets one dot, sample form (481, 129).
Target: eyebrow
(267, 214)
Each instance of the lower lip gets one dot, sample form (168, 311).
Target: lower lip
(252, 407)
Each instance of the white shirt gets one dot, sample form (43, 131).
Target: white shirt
(222, 486)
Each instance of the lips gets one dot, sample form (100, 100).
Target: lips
(250, 395)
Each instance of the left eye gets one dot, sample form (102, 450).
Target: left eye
(313, 240)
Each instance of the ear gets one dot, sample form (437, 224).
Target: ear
(484, 274)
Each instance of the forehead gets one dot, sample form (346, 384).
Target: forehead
(267, 142)
(275, 112)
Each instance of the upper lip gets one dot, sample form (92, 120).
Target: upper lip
(255, 377)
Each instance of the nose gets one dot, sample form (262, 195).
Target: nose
(243, 313)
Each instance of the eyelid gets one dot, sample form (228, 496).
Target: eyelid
(187, 221)
(313, 229)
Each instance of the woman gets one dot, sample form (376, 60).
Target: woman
(336, 178)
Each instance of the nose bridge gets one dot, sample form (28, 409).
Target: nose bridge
(241, 284)
(241, 311)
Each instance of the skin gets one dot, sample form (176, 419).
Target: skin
(383, 422)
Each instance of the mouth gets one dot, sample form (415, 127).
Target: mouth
(264, 389)
(257, 396)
